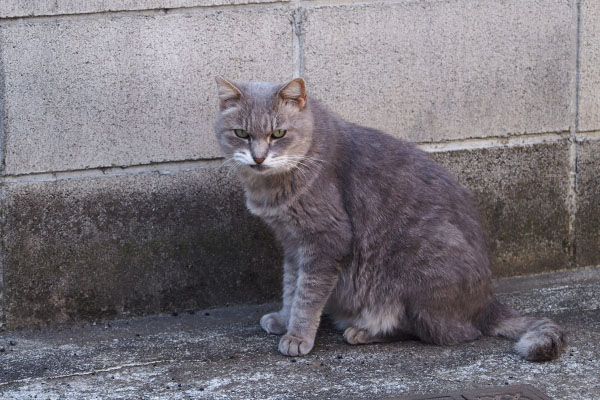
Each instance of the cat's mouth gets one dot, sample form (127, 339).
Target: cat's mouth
(259, 167)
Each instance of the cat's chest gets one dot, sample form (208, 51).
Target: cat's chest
(263, 211)
(293, 218)
(286, 214)
(307, 214)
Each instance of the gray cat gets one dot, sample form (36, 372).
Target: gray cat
(373, 231)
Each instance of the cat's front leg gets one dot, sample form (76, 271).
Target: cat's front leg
(316, 280)
(276, 323)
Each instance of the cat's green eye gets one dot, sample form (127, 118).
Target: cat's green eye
(241, 133)
(278, 133)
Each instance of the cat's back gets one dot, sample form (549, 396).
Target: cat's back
(384, 168)
(401, 203)
(381, 172)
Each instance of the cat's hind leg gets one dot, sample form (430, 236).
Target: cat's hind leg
(357, 336)
(361, 336)
(443, 330)
(387, 324)
(273, 323)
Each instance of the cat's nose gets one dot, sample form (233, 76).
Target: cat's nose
(259, 160)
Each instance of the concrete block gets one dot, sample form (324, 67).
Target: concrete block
(587, 221)
(522, 196)
(440, 70)
(96, 92)
(27, 8)
(133, 244)
(589, 74)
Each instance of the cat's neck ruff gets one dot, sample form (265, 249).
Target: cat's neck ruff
(270, 195)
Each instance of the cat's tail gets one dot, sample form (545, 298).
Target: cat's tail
(538, 339)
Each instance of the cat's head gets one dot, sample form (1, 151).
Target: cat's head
(263, 128)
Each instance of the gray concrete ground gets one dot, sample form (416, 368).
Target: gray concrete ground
(223, 354)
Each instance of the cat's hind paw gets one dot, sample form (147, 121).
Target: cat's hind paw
(295, 346)
(357, 336)
(273, 324)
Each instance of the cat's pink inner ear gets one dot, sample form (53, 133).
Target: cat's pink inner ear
(295, 91)
(227, 91)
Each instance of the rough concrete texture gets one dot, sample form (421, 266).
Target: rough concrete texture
(2, 298)
(133, 244)
(522, 195)
(224, 354)
(437, 70)
(589, 73)
(587, 222)
(27, 8)
(103, 91)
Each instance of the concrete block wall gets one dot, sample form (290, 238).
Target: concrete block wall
(113, 198)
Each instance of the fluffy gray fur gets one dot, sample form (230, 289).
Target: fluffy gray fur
(373, 231)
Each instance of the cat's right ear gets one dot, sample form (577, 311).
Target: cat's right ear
(228, 92)
(294, 91)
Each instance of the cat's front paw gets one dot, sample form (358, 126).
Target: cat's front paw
(295, 346)
(273, 324)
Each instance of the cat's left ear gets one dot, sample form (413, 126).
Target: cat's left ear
(227, 92)
(294, 91)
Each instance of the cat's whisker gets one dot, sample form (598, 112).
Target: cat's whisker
(306, 162)
(231, 164)
(284, 162)
(227, 160)
(303, 169)
(307, 158)
(308, 165)
(292, 166)
(228, 163)
(300, 171)
(240, 158)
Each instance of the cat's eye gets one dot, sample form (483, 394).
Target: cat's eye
(278, 133)
(241, 133)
